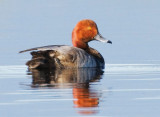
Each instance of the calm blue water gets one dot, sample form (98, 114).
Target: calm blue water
(129, 86)
(124, 90)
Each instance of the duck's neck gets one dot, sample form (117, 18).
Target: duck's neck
(80, 44)
(77, 42)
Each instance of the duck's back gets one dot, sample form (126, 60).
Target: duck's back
(62, 56)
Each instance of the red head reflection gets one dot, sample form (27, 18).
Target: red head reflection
(85, 98)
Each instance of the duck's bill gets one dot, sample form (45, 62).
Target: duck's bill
(99, 37)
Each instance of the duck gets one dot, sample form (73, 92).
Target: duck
(80, 55)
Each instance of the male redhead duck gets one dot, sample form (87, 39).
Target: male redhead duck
(80, 55)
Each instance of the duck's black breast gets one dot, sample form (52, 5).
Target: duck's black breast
(62, 56)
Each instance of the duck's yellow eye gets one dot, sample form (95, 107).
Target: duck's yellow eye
(89, 28)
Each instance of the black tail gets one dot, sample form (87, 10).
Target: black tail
(44, 59)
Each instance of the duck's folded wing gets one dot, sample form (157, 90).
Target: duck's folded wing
(43, 48)
(63, 56)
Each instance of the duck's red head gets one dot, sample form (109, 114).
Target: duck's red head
(85, 31)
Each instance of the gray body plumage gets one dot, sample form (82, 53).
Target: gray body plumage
(63, 56)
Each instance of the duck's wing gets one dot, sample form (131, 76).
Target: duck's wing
(43, 48)
(60, 56)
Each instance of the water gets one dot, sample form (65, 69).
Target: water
(123, 90)
(127, 87)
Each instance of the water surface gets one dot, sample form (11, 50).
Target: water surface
(121, 90)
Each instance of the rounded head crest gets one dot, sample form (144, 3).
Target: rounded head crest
(85, 31)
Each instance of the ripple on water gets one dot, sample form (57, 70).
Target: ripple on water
(132, 69)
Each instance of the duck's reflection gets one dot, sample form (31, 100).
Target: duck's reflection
(78, 79)
(85, 98)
